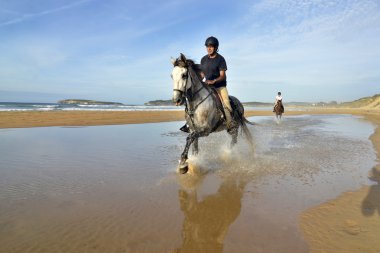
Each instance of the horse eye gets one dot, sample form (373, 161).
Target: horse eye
(184, 76)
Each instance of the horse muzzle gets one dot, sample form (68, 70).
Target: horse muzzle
(178, 99)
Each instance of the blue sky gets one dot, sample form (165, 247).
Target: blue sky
(120, 50)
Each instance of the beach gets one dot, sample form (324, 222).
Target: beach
(85, 118)
(107, 182)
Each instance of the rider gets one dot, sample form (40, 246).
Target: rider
(278, 98)
(214, 68)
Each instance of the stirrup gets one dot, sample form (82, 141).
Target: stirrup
(185, 129)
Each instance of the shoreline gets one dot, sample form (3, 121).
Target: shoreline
(97, 118)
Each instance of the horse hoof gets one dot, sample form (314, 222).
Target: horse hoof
(183, 170)
(183, 167)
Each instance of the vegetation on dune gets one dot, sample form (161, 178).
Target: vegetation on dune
(86, 102)
(159, 102)
(368, 102)
(257, 104)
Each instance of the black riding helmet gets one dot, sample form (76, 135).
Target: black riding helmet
(212, 41)
(279, 93)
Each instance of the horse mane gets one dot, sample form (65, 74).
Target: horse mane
(189, 64)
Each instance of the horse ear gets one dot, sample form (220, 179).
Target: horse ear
(183, 57)
(172, 60)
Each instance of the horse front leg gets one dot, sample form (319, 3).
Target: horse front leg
(195, 147)
(278, 117)
(183, 165)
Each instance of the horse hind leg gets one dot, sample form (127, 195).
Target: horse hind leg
(234, 135)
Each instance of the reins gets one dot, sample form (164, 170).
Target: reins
(188, 96)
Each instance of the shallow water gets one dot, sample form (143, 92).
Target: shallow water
(114, 188)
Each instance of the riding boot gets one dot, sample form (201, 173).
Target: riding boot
(231, 124)
(185, 128)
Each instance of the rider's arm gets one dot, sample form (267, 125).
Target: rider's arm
(222, 77)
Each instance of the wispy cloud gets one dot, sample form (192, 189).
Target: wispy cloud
(29, 16)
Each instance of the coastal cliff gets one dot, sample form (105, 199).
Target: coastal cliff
(160, 102)
(85, 102)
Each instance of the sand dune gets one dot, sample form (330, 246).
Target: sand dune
(365, 103)
(374, 104)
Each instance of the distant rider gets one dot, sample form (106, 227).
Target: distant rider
(278, 98)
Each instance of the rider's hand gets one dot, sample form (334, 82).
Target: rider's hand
(210, 82)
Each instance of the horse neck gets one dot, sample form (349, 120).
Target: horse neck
(198, 89)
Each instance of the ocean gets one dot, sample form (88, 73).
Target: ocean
(16, 106)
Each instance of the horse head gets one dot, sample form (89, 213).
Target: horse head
(179, 76)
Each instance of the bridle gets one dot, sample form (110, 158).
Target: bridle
(189, 93)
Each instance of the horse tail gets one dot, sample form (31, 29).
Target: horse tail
(247, 133)
(248, 122)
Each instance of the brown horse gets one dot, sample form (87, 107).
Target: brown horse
(279, 109)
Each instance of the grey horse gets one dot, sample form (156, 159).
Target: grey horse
(203, 115)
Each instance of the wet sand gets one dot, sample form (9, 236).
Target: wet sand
(114, 188)
(85, 118)
(91, 118)
(350, 223)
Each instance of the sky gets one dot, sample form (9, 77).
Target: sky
(120, 50)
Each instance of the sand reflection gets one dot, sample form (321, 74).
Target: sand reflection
(207, 220)
(371, 203)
